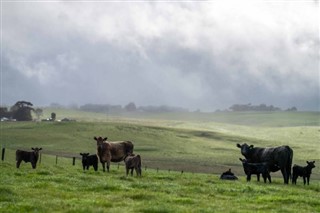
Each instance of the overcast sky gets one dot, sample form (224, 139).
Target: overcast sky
(197, 55)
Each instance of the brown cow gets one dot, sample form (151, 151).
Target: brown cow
(25, 156)
(114, 151)
(133, 162)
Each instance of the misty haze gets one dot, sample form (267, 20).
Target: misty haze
(192, 55)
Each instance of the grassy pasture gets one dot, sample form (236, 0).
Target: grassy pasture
(66, 188)
(202, 146)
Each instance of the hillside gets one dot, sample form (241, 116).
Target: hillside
(196, 143)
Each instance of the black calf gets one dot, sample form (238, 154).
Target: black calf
(304, 172)
(89, 160)
(25, 156)
(256, 168)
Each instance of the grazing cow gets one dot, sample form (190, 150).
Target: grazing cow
(114, 151)
(228, 175)
(278, 158)
(89, 160)
(25, 156)
(256, 168)
(133, 162)
(304, 172)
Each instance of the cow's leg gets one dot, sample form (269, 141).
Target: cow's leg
(264, 178)
(258, 177)
(269, 177)
(304, 180)
(248, 178)
(308, 179)
(84, 167)
(18, 163)
(294, 179)
(108, 165)
(138, 171)
(33, 165)
(127, 171)
(103, 166)
(132, 171)
(285, 175)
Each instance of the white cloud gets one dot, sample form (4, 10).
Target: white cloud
(202, 52)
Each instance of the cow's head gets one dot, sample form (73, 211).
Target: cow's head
(35, 156)
(100, 140)
(84, 156)
(311, 164)
(246, 150)
(36, 150)
(100, 144)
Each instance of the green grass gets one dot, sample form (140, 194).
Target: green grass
(212, 149)
(56, 188)
(202, 145)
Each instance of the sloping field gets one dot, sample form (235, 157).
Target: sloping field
(194, 143)
(182, 160)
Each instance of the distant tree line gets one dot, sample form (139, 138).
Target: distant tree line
(130, 107)
(261, 107)
(103, 108)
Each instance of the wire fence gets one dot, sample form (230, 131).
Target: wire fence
(59, 158)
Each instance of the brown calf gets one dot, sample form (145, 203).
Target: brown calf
(133, 162)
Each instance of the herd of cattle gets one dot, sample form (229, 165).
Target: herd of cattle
(257, 160)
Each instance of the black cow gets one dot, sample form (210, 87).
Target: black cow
(25, 156)
(89, 160)
(228, 175)
(256, 168)
(133, 162)
(304, 172)
(278, 158)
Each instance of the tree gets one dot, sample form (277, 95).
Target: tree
(53, 116)
(21, 111)
(130, 107)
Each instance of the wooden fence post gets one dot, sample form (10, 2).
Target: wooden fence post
(3, 152)
(74, 161)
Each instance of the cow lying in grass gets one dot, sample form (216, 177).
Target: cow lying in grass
(228, 175)
(25, 156)
(256, 168)
(133, 162)
(89, 160)
(304, 172)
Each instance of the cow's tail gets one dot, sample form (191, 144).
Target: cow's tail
(139, 161)
(289, 164)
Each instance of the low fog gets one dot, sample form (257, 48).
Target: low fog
(195, 55)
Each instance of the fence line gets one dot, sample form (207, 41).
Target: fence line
(73, 162)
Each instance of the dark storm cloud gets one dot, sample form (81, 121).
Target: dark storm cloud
(205, 55)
